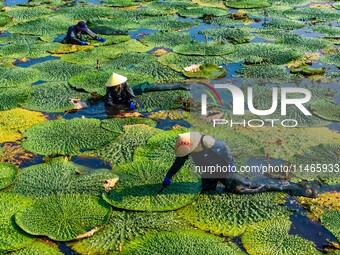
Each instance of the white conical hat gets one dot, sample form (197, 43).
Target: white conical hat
(115, 79)
(187, 142)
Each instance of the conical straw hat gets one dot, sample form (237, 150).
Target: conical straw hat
(187, 142)
(115, 79)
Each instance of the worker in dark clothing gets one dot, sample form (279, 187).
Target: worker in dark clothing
(118, 92)
(207, 153)
(74, 34)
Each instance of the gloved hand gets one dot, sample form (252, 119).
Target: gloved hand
(102, 39)
(166, 181)
(83, 43)
(132, 106)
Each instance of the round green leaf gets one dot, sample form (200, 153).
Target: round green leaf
(7, 174)
(204, 49)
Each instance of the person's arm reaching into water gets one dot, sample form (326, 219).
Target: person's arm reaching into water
(176, 166)
(94, 35)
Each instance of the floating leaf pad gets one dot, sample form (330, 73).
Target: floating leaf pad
(121, 150)
(27, 13)
(268, 52)
(162, 99)
(172, 5)
(140, 182)
(266, 73)
(122, 24)
(208, 71)
(199, 12)
(167, 24)
(283, 143)
(119, 3)
(182, 242)
(331, 221)
(38, 248)
(247, 4)
(237, 35)
(14, 122)
(59, 176)
(170, 114)
(166, 39)
(7, 174)
(27, 50)
(42, 26)
(204, 49)
(13, 97)
(63, 217)
(13, 77)
(282, 23)
(336, 6)
(131, 46)
(53, 97)
(85, 12)
(11, 236)
(56, 70)
(331, 60)
(178, 61)
(69, 48)
(326, 109)
(231, 214)
(19, 39)
(160, 73)
(319, 14)
(114, 233)
(272, 237)
(139, 14)
(129, 60)
(117, 124)
(91, 56)
(66, 137)
(159, 147)
(328, 30)
(4, 20)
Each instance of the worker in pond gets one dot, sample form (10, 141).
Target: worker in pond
(208, 153)
(118, 92)
(74, 34)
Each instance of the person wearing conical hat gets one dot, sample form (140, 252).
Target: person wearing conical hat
(118, 92)
(208, 153)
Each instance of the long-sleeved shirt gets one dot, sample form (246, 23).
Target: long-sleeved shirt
(124, 95)
(74, 36)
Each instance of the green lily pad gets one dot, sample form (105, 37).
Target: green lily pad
(4, 20)
(169, 23)
(319, 14)
(228, 21)
(159, 147)
(272, 237)
(27, 13)
(59, 176)
(182, 242)
(326, 109)
(13, 97)
(121, 24)
(172, 5)
(266, 73)
(231, 214)
(131, 46)
(270, 53)
(331, 60)
(53, 97)
(276, 3)
(204, 49)
(42, 26)
(11, 236)
(140, 182)
(117, 124)
(15, 77)
(66, 137)
(85, 12)
(328, 30)
(247, 4)
(122, 149)
(114, 234)
(8, 173)
(331, 221)
(27, 50)
(20, 39)
(129, 60)
(112, 39)
(208, 71)
(166, 39)
(170, 114)
(336, 6)
(177, 61)
(92, 56)
(139, 14)
(199, 12)
(119, 3)
(38, 248)
(56, 70)
(162, 99)
(65, 217)
(15, 121)
(282, 23)
(160, 73)
(237, 35)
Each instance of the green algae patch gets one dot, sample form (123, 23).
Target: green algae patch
(140, 182)
(272, 237)
(63, 217)
(66, 137)
(14, 122)
(8, 173)
(232, 214)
